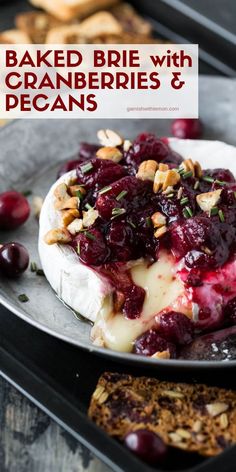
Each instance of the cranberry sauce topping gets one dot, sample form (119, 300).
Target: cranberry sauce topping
(151, 342)
(200, 230)
(128, 297)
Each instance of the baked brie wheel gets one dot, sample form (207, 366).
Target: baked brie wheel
(139, 238)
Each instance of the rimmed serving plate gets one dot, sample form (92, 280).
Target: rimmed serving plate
(30, 154)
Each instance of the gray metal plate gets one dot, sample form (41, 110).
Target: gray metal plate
(30, 151)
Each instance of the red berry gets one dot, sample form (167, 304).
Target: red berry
(151, 342)
(91, 247)
(14, 210)
(175, 327)
(186, 128)
(98, 173)
(146, 445)
(14, 259)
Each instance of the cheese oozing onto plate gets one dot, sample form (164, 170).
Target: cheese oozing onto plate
(90, 294)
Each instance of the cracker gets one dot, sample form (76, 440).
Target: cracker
(69, 9)
(36, 25)
(191, 417)
(130, 20)
(14, 36)
(99, 24)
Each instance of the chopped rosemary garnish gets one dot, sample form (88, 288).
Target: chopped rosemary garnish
(183, 200)
(214, 211)
(131, 223)
(33, 267)
(149, 221)
(181, 170)
(40, 272)
(221, 216)
(88, 206)
(117, 212)
(196, 185)
(220, 182)
(79, 194)
(27, 193)
(207, 178)
(121, 195)
(187, 212)
(90, 235)
(105, 190)
(186, 175)
(78, 247)
(23, 298)
(87, 167)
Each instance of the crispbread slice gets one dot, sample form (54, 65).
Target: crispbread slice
(191, 417)
(102, 23)
(14, 36)
(69, 9)
(36, 24)
(130, 20)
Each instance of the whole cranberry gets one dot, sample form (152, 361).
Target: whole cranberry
(175, 327)
(151, 342)
(68, 166)
(14, 259)
(187, 128)
(230, 311)
(14, 210)
(120, 240)
(134, 299)
(99, 173)
(147, 445)
(91, 247)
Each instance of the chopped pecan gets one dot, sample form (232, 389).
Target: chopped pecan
(189, 166)
(147, 170)
(206, 201)
(109, 153)
(164, 179)
(110, 138)
(69, 215)
(76, 226)
(75, 189)
(158, 219)
(89, 217)
(60, 235)
(160, 231)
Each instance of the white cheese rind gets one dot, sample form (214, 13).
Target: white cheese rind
(79, 286)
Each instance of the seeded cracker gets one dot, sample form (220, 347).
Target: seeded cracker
(191, 417)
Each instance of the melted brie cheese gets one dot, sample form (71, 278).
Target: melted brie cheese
(162, 288)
